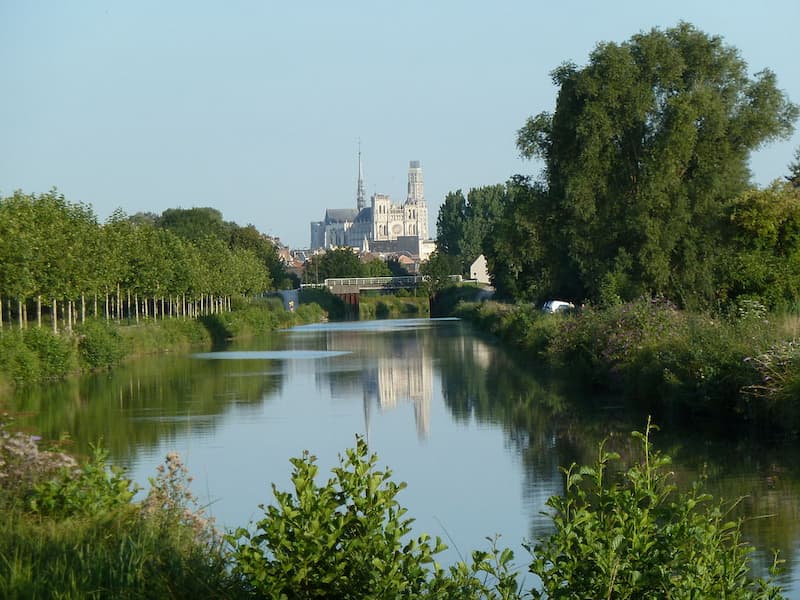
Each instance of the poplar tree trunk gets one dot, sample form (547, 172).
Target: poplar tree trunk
(119, 303)
(1, 315)
(55, 316)
(83, 308)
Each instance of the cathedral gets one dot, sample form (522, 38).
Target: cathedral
(383, 226)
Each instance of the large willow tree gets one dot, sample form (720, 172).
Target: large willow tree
(647, 144)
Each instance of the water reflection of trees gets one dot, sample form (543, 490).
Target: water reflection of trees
(141, 405)
(550, 425)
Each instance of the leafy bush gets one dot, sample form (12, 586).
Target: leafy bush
(100, 345)
(330, 303)
(56, 354)
(637, 536)
(93, 488)
(18, 362)
(343, 539)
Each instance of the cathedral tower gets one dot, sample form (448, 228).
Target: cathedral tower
(415, 191)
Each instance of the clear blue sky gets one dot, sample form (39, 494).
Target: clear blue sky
(256, 107)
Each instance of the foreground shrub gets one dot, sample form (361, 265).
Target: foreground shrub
(344, 539)
(636, 536)
(91, 489)
(72, 531)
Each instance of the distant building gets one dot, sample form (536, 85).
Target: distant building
(383, 226)
(478, 270)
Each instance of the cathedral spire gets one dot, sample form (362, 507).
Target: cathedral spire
(361, 197)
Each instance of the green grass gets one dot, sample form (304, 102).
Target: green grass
(114, 555)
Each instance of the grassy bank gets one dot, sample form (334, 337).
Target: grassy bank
(401, 304)
(743, 367)
(37, 354)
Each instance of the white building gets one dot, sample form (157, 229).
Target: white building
(381, 227)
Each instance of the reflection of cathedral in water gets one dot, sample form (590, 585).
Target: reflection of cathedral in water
(401, 374)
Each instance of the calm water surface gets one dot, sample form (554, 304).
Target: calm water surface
(478, 439)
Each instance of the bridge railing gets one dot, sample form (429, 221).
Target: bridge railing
(375, 283)
(365, 283)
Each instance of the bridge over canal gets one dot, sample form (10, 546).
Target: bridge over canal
(349, 288)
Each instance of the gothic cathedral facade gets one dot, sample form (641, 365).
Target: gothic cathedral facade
(383, 226)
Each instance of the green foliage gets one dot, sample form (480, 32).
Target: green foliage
(343, 539)
(194, 224)
(389, 306)
(100, 344)
(339, 262)
(54, 254)
(794, 170)
(515, 253)
(78, 534)
(621, 533)
(396, 268)
(438, 268)
(93, 488)
(777, 386)
(739, 368)
(445, 302)
(647, 145)
(18, 362)
(333, 306)
(763, 260)
(463, 224)
(56, 353)
(634, 535)
(376, 268)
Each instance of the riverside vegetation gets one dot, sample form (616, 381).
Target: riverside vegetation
(37, 354)
(739, 368)
(75, 530)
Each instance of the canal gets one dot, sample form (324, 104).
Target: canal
(477, 435)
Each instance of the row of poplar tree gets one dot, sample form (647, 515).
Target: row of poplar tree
(59, 264)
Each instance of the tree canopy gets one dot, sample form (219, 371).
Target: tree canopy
(648, 144)
(464, 223)
(54, 253)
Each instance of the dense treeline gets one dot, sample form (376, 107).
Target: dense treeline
(343, 262)
(645, 188)
(59, 264)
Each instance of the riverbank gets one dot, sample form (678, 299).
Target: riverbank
(74, 530)
(742, 369)
(401, 304)
(36, 355)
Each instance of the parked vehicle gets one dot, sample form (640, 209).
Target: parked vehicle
(555, 306)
